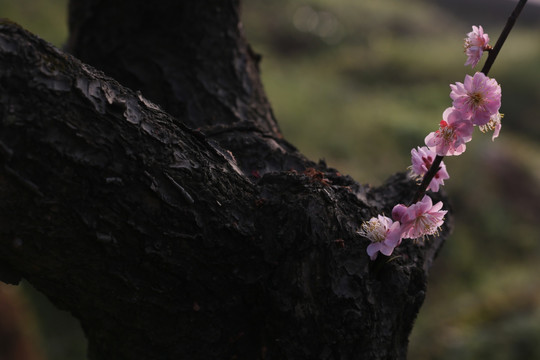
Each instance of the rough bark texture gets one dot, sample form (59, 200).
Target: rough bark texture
(190, 230)
(192, 59)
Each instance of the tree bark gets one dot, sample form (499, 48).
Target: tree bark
(192, 59)
(188, 229)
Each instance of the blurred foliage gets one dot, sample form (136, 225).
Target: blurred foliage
(45, 18)
(359, 83)
(61, 335)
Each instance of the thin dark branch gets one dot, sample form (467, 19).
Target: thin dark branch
(487, 66)
(435, 167)
(502, 38)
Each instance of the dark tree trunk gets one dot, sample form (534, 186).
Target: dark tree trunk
(192, 59)
(190, 230)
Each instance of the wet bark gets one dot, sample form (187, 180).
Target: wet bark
(169, 215)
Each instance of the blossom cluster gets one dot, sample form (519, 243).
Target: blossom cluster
(475, 102)
(408, 222)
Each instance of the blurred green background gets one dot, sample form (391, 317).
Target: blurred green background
(360, 83)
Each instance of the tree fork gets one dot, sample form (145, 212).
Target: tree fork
(192, 59)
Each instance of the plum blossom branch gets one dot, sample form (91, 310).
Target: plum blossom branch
(475, 102)
(493, 52)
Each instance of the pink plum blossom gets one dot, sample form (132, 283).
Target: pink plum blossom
(476, 43)
(420, 219)
(421, 159)
(474, 54)
(383, 233)
(453, 133)
(478, 98)
(494, 125)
